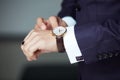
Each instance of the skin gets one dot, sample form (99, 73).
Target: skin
(40, 39)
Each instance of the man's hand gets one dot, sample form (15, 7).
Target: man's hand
(38, 42)
(49, 24)
(40, 39)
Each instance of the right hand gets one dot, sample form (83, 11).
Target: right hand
(49, 24)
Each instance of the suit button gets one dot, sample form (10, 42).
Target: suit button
(105, 56)
(110, 54)
(117, 53)
(99, 57)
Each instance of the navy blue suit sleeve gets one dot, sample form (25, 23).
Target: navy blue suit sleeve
(98, 41)
(98, 29)
(68, 8)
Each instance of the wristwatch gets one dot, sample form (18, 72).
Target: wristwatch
(59, 32)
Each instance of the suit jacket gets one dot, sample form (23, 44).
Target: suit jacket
(98, 35)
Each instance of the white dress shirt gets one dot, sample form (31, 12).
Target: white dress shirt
(70, 43)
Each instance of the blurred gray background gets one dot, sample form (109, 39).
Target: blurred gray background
(17, 18)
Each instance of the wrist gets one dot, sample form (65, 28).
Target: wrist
(53, 43)
(59, 33)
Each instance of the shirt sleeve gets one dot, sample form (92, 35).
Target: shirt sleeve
(70, 43)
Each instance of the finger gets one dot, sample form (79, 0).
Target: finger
(31, 40)
(37, 53)
(33, 35)
(33, 58)
(42, 27)
(41, 24)
(49, 27)
(40, 21)
(31, 43)
(28, 35)
(37, 28)
(38, 47)
(61, 22)
(25, 53)
(29, 59)
(53, 21)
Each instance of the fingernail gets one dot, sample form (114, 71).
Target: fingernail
(43, 27)
(42, 24)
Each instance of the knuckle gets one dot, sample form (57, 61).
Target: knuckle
(40, 19)
(28, 59)
(21, 47)
(25, 49)
(52, 17)
(38, 37)
(42, 43)
(34, 33)
(31, 49)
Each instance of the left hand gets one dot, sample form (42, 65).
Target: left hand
(38, 42)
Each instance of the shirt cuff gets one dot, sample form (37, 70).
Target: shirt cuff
(71, 46)
(69, 21)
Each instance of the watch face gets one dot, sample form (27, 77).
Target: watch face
(59, 30)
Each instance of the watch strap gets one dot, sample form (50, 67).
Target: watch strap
(60, 44)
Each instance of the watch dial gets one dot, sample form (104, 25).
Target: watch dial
(59, 30)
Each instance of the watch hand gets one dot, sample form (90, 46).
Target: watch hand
(59, 30)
